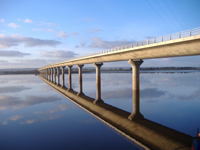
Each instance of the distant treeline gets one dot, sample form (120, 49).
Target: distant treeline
(170, 68)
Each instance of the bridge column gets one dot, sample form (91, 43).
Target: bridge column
(69, 73)
(58, 76)
(98, 83)
(80, 79)
(54, 70)
(49, 71)
(136, 90)
(51, 74)
(46, 74)
(63, 76)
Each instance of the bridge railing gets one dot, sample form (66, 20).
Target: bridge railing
(182, 34)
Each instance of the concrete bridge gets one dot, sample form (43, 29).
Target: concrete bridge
(185, 43)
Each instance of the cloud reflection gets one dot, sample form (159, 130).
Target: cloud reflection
(16, 103)
(16, 117)
(5, 122)
(13, 89)
(28, 121)
(60, 107)
(45, 118)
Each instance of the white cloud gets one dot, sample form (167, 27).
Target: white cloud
(2, 20)
(16, 117)
(5, 122)
(49, 24)
(82, 43)
(58, 54)
(50, 30)
(13, 25)
(28, 21)
(29, 121)
(36, 29)
(15, 40)
(99, 43)
(2, 31)
(32, 63)
(63, 34)
(94, 30)
(11, 53)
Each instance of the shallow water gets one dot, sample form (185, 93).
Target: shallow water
(34, 116)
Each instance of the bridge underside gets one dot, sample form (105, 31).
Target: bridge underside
(188, 46)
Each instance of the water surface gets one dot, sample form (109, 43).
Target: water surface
(34, 116)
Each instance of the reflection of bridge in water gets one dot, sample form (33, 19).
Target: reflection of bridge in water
(143, 133)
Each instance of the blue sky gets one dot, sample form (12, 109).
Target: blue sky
(40, 32)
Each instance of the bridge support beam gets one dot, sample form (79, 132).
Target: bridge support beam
(70, 77)
(136, 90)
(63, 76)
(80, 79)
(58, 76)
(54, 70)
(51, 74)
(98, 83)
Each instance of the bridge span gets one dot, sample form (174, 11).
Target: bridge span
(185, 43)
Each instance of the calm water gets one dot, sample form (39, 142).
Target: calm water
(34, 116)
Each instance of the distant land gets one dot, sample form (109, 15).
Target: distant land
(92, 69)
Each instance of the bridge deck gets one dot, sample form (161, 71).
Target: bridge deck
(145, 133)
(187, 46)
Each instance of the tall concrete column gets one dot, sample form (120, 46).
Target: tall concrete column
(98, 83)
(54, 70)
(46, 74)
(58, 76)
(80, 79)
(63, 76)
(51, 74)
(70, 78)
(136, 90)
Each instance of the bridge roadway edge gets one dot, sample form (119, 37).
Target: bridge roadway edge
(188, 46)
(145, 133)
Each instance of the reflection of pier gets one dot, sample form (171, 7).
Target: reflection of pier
(145, 133)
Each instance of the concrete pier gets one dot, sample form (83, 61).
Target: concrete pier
(80, 79)
(70, 78)
(136, 89)
(98, 83)
(63, 76)
(58, 76)
(51, 74)
(54, 70)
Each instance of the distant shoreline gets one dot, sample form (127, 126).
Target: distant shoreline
(93, 70)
